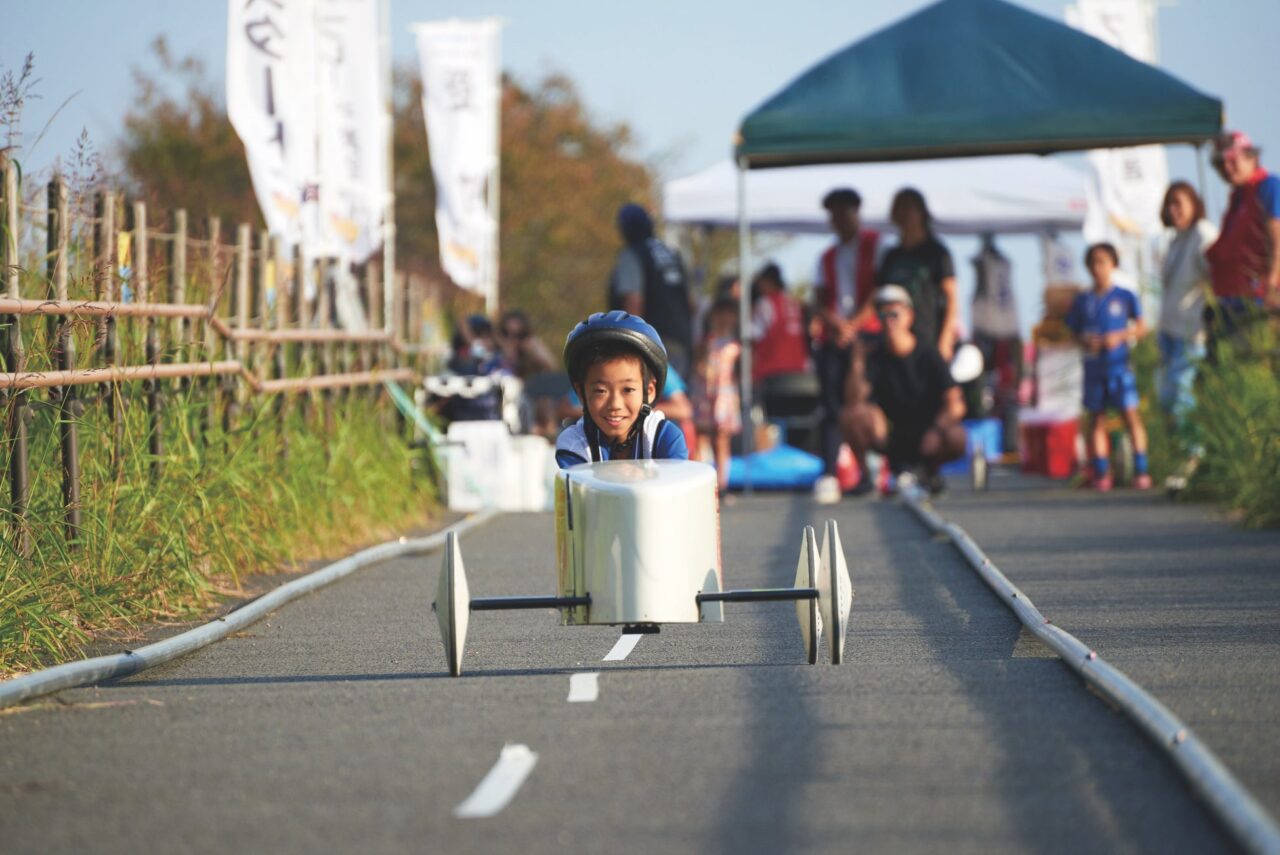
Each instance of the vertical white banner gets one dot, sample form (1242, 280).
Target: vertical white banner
(1127, 184)
(460, 92)
(353, 127)
(271, 101)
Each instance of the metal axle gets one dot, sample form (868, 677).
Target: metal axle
(489, 604)
(758, 595)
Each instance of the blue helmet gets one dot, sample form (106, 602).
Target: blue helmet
(616, 327)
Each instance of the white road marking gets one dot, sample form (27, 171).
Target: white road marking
(625, 645)
(584, 688)
(501, 784)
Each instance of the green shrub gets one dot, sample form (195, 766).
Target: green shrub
(1235, 424)
(1237, 420)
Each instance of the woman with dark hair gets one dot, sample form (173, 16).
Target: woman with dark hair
(777, 328)
(923, 266)
(1184, 273)
(524, 352)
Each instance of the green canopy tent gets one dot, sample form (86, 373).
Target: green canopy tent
(963, 78)
(972, 77)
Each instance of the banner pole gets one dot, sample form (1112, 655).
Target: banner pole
(495, 179)
(389, 211)
(744, 321)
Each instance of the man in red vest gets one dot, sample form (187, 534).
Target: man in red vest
(1244, 263)
(846, 278)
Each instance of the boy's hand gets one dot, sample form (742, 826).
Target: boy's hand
(1115, 339)
(1094, 342)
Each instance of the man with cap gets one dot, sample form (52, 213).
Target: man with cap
(842, 312)
(901, 400)
(1244, 263)
(649, 281)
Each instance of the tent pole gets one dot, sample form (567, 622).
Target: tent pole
(1198, 149)
(744, 320)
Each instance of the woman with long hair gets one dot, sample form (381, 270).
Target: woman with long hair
(1184, 275)
(922, 265)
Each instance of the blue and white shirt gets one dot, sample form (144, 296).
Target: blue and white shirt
(1098, 314)
(657, 439)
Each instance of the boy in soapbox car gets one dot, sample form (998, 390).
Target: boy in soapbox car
(617, 363)
(637, 524)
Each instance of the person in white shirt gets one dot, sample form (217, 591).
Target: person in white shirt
(1184, 274)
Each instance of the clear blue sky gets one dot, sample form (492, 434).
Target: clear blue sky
(680, 73)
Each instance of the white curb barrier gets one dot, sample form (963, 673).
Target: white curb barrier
(87, 671)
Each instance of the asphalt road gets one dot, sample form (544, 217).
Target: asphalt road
(1186, 605)
(332, 726)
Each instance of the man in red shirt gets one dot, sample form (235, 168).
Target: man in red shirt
(1244, 263)
(846, 278)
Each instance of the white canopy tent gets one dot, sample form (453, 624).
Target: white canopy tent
(1011, 194)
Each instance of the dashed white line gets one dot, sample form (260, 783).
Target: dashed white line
(501, 784)
(584, 688)
(625, 645)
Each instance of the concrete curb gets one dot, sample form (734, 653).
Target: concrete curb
(1226, 797)
(87, 671)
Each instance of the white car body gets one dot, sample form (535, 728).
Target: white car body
(641, 538)
(638, 544)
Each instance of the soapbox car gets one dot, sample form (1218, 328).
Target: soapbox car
(638, 545)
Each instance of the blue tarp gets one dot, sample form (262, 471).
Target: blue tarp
(782, 467)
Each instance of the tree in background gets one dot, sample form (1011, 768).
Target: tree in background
(179, 149)
(563, 178)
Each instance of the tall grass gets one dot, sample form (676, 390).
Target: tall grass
(1236, 423)
(225, 506)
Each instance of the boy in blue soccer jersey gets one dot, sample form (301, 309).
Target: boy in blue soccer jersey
(1104, 320)
(617, 364)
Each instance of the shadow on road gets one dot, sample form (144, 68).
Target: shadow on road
(761, 810)
(487, 673)
(1072, 774)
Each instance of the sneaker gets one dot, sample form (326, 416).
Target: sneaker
(1103, 484)
(1142, 482)
(826, 490)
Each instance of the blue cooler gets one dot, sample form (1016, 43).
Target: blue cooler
(988, 433)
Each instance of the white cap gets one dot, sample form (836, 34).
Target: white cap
(892, 294)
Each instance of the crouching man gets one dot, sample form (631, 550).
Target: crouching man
(900, 399)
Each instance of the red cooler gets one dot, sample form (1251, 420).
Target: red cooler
(1049, 445)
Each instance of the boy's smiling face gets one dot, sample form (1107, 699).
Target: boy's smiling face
(615, 390)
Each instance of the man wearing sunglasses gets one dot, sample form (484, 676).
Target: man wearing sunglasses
(901, 400)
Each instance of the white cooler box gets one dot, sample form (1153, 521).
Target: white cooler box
(487, 467)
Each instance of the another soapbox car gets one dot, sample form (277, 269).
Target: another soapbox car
(638, 545)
